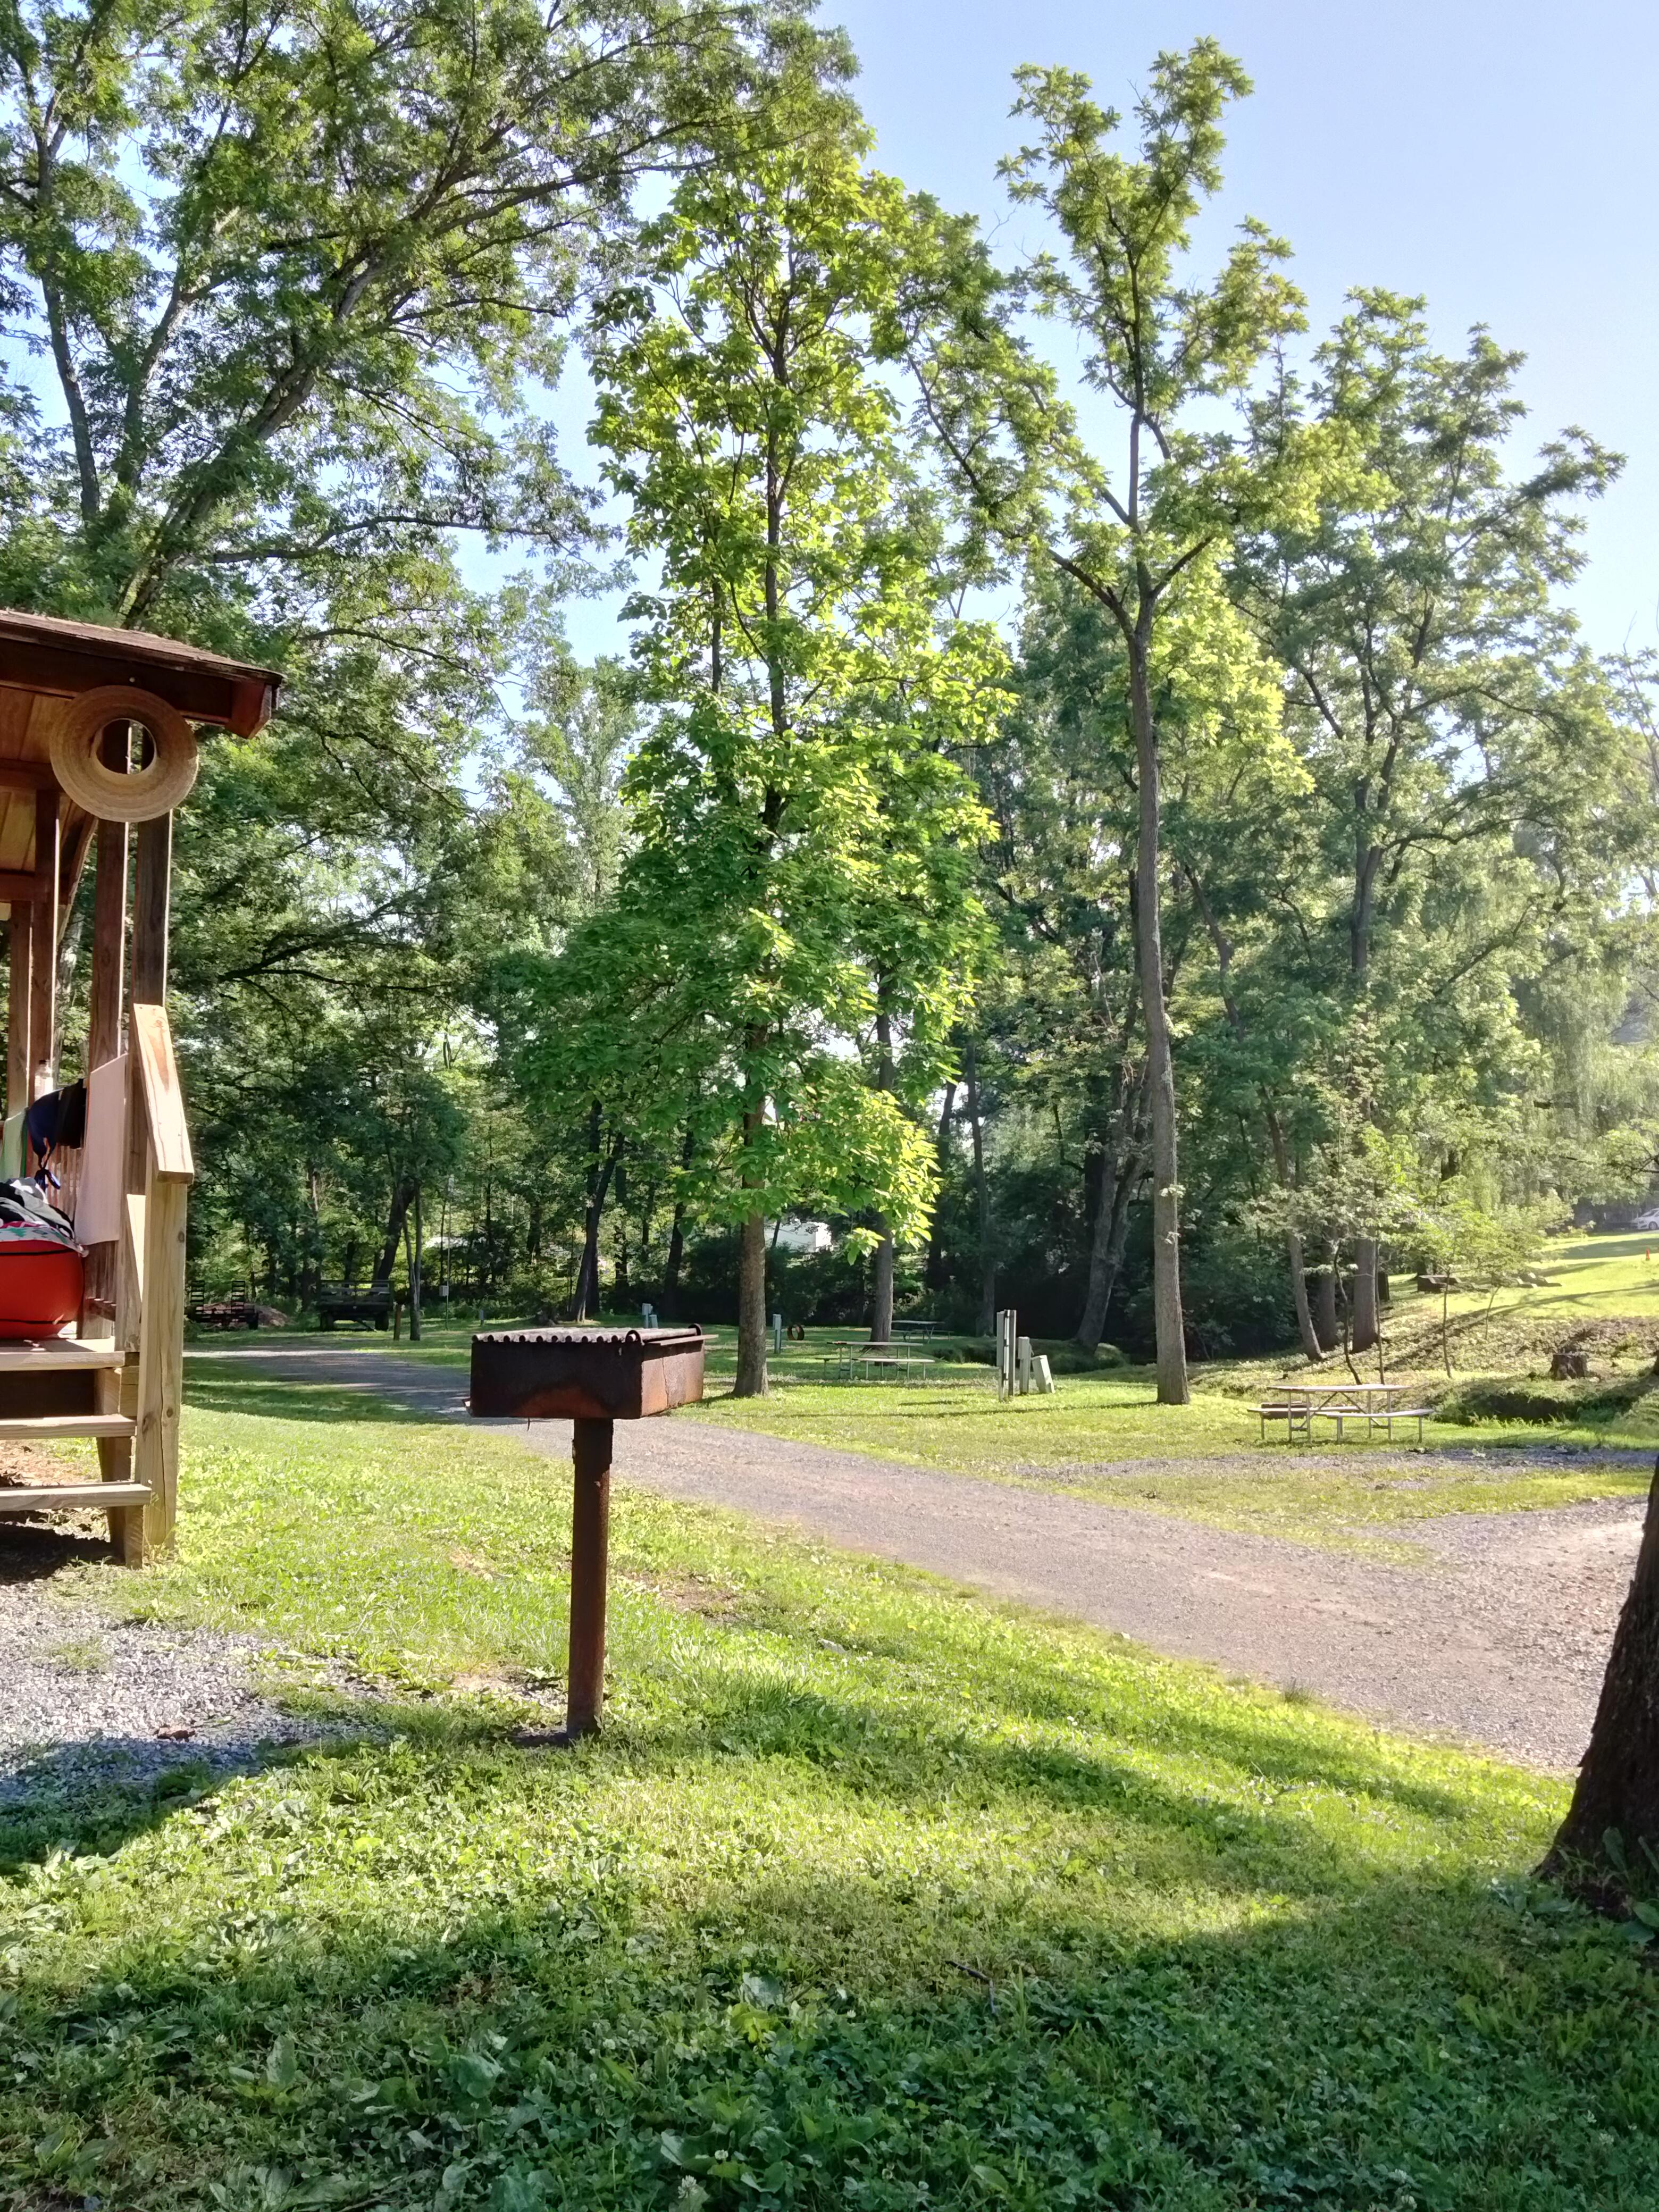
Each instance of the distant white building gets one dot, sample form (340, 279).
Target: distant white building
(801, 1237)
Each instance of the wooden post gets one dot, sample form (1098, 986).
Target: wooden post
(20, 994)
(109, 939)
(161, 1357)
(590, 1545)
(43, 993)
(151, 878)
(126, 1522)
(149, 912)
(159, 1111)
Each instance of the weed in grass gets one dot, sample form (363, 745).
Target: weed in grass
(79, 1655)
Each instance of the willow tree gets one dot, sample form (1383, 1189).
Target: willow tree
(1135, 498)
(792, 904)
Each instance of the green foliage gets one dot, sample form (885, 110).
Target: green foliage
(284, 292)
(294, 270)
(800, 880)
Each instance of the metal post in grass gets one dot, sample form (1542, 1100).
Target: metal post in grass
(592, 1443)
(593, 1378)
(1008, 1340)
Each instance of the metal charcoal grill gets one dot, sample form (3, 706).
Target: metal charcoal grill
(585, 1374)
(591, 1378)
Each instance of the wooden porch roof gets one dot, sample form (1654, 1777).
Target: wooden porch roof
(43, 659)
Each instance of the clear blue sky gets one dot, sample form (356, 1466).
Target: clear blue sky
(1500, 157)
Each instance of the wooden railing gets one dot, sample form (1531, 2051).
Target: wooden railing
(151, 1302)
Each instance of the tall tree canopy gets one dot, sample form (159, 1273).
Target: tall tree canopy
(1151, 524)
(797, 896)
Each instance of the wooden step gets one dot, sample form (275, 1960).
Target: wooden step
(45, 1428)
(54, 1354)
(70, 1497)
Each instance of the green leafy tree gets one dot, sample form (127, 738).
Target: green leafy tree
(1147, 529)
(582, 735)
(282, 286)
(294, 270)
(793, 892)
(1469, 781)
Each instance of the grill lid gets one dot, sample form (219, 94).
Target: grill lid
(609, 1340)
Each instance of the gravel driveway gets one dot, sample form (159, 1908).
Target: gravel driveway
(1498, 1637)
(90, 1701)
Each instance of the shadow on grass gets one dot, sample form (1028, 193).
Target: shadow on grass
(31, 1553)
(331, 1402)
(564, 2027)
(94, 1797)
(1251, 1739)
(903, 1756)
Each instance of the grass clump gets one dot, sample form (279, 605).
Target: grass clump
(872, 1895)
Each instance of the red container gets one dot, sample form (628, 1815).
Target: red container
(41, 1284)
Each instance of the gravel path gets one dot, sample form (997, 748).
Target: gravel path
(91, 1701)
(1498, 1637)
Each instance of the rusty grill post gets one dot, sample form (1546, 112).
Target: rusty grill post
(590, 1556)
(592, 1378)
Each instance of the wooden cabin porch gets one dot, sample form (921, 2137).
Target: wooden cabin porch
(97, 739)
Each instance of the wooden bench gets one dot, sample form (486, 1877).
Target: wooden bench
(1301, 1418)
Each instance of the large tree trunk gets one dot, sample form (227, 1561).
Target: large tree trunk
(1128, 1183)
(1122, 1163)
(403, 1194)
(586, 1300)
(751, 1311)
(1096, 1298)
(751, 1268)
(987, 1320)
(587, 1268)
(1618, 1792)
(1311, 1348)
(934, 1274)
(1365, 1293)
(624, 1287)
(1168, 1325)
(413, 1241)
(672, 1265)
(1328, 1328)
(881, 1303)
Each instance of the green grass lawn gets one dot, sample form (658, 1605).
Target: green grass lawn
(1203, 1461)
(1591, 1279)
(872, 1895)
(1104, 1435)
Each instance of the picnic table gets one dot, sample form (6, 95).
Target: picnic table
(854, 1357)
(913, 1326)
(1299, 1404)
